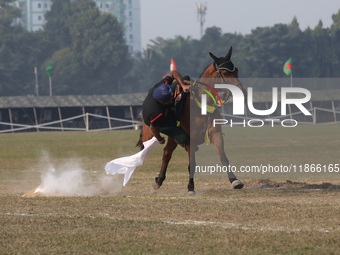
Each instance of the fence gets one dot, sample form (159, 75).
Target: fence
(83, 122)
(93, 122)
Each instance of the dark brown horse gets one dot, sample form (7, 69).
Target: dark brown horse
(222, 70)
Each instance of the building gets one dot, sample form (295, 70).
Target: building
(67, 113)
(126, 11)
(33, 12)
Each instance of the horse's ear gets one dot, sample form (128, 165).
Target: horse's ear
(213, 57)
(228, 56)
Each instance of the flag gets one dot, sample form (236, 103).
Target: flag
(172, 65)
(126, 165)
(49, 70)
(287, 68)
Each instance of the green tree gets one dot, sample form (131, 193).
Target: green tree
(56, 29)
(335, 41)
(96, 59)
(18, 50)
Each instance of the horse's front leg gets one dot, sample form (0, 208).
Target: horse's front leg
(167, 153)
(217, 140)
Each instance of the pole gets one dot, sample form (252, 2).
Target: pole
(61, 120)
(108, 116)
(201, 10)
(313, 112)
(87, 122)
(132, 117)
(36, 119)
(334, 114)
(291, 85)
(50, 82)
(10, 118)
(36, 81)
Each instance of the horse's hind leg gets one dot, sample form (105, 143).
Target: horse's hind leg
(191, 168)
(217, 140)
(167, 153)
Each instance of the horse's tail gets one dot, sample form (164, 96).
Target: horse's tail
(140, 141)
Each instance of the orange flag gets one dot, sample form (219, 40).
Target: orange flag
(172, 65)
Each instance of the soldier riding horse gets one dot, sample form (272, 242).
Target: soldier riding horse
(223, 71)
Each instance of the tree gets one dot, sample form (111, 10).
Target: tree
(56, 29)
(335, 41)
(17, 53)
(97, 56)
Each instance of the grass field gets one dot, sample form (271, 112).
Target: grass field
(276, 218)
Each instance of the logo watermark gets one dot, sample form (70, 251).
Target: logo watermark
(239, 106)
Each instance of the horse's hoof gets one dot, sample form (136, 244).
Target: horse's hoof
(237, 184)
(191, 193)
(155, 185)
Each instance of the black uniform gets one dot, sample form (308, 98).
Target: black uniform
(155, 113)
(162, 116)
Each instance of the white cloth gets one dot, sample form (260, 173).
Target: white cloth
(126, 165)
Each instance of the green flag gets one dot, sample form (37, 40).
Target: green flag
(49, 70)
(287, 68)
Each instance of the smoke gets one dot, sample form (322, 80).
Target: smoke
(69, 178)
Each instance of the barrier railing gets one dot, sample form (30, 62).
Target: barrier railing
(84, 122)
(93, 122)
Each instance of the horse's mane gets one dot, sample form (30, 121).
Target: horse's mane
(204, 70)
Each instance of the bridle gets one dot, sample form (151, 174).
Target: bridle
(208, 89)
(229, 66)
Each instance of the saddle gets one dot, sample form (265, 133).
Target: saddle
(179, 97)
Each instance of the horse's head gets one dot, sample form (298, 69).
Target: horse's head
(225, 70)
(222, 70)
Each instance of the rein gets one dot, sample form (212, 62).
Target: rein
(214, 93)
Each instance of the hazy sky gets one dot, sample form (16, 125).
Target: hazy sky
(168, 18)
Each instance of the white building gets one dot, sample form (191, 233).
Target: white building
(126, 11)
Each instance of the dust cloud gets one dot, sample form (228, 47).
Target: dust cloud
(69, 178)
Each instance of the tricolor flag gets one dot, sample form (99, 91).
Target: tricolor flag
(287, 68)
(172, 65)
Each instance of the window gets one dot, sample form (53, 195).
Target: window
(39, 5)
(22, 6)
(39, 18)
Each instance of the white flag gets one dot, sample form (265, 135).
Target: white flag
(126, 165)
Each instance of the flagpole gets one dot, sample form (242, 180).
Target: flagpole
(36, 81)
(50, 81)
(49, 73)
(291, 85)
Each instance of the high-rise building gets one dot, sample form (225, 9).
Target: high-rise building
(33, 12)
(126, 11)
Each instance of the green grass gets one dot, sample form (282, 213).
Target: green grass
(139, 220)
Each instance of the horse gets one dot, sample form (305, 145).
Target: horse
(224, 71)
